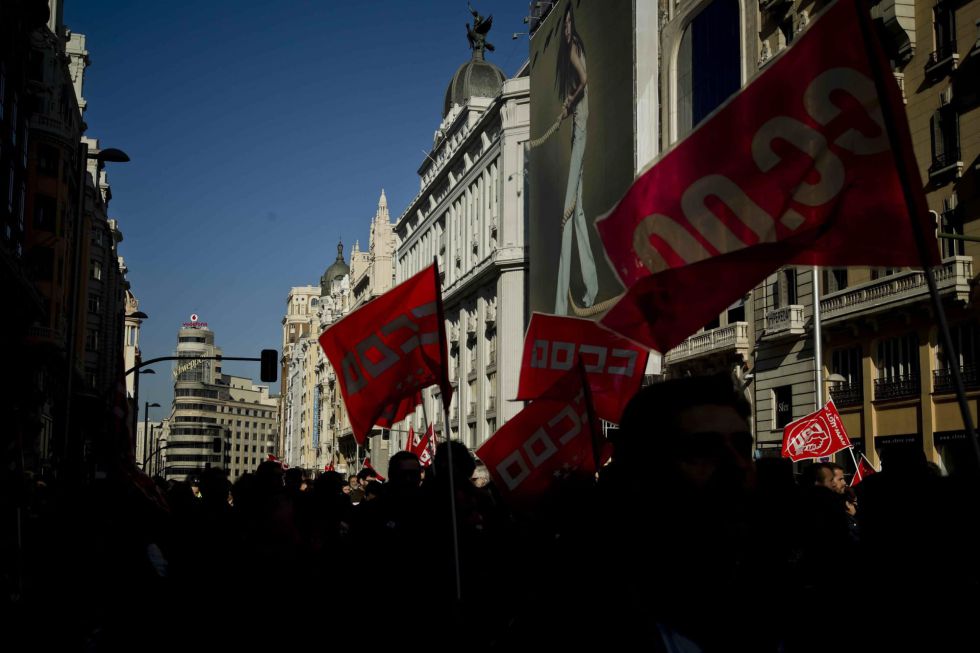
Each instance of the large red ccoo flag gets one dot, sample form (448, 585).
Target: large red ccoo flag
(388, 350)
(547, 440)
(613, 365)
(798, 168)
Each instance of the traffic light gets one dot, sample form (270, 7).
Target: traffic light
(270, 366)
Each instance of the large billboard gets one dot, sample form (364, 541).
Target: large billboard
(580, 157)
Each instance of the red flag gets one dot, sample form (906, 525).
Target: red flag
(410, 440)
(863, 471)
(806, 176)
(388, 350)
(817, 435)
(394, 413)
(613, 364)
(425, 447)
(367, 465)
(549, 439)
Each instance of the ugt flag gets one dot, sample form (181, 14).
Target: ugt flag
(797, 168)
(613, 365)
(388, 350)
(547, 440)
(817, 435)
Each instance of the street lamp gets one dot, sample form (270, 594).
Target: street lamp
(146, 425)
(136, 395)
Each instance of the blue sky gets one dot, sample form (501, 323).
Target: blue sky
(259, 133)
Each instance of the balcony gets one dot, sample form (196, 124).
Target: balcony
(47, 335)
(942, 380)
(847, 394)
(785, 321)
(942, 58)
(947, 163)
(472, 409)
(897, 387)
(732, 338)
(53, 126)
(952, 279)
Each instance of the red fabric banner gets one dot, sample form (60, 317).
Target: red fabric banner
(863, 471)
(797, 168)
(817, 435)
(423, 446)
(546, 441)
(388, 350)
(613, 365)
(410, 440)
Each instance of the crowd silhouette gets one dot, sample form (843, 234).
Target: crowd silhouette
(683, 543)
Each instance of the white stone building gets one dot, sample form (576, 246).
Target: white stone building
(470, 215)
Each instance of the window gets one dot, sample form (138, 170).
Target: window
(708, 63)
(847, 362)
(43, 263)
(945, 125)
(782, 403)
(91, 340)
(96, 270)
(834, 279)
(783, 288)
(97, 240)
(736, 312)
(45, 208)
(951, 223)
(898, 367)
(945, 32)
(966, 347)
(47, 160)
(95, 305)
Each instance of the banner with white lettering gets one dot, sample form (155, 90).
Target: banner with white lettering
(388, 350)
(797, 168)
(547, 441)
(613, 365)
(818, 435)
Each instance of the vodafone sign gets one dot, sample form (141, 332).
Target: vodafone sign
(195, 323)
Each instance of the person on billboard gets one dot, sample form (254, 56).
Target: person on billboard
(571, 80)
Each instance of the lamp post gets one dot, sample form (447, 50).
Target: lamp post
(146, 424)
(136, 395)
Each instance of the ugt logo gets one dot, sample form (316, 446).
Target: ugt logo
(810, 437)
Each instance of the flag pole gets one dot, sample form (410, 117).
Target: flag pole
(817, 340)
(907, 180)
(444, 351)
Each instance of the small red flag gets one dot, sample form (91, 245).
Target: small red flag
(548, 440)
(613, 365)
(410, 441)
(817, 435)
(388, 350)
(367, 465)
(863, 471)
(808, 177)
(425, 447)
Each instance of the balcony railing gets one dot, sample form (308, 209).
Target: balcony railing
(942, 379)
(953, 277)
(787, 320)
(733, 337)
(944, 54)
(55, 336)
(897, 387)
(847, 394)
(946, 162)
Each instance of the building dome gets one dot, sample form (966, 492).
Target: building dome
(476, 77)
(337, 270)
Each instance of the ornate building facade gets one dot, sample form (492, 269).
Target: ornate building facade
(469, 215)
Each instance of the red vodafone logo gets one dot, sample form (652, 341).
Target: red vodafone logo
(195, 322)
